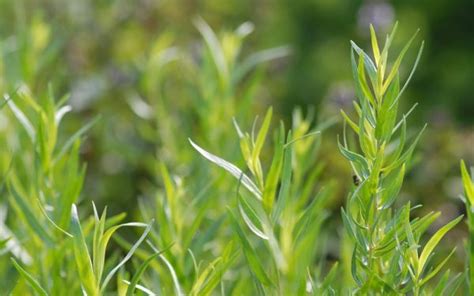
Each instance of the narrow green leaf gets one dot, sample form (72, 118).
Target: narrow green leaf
(23, 209)
(74, 178)
(354, 231)
(434, 240)
(97, 254)
(392, 185)
(253, 260)
(262, 134)
(397, 63)
(132, 250)
(366, 138)
(30, 279)
(206, 283)
(203, 276)
(437, 269)
(375, 46)
(363, 82)
(82, 257)
(232, 169)
(367, 62)
(58, 116)
(420, 225)
(329, 279)
(440, 287)
(357, 159)
(445, 287)
(351, 123)
(252, 218)
(354, 261)
(405, 158)
(355, 78)
(45, 214)
(274, 174)
(388, 43)
(177, 286)
(468, 184)
(136, 277)
(214, 47)
(284, 192)
(315, 210)
(77, 135)
(257, 58)
(142, 288)
(405, 116)
(21, 117)
(387, 116)
(417, 60)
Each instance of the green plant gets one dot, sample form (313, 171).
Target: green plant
(278, 218)
(468, 199)
(387, 241)
(47, 243)
(44, 180)
(221, 83)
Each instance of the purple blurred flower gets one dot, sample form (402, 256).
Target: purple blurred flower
(378, 13)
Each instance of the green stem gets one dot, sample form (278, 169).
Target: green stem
(416, 292)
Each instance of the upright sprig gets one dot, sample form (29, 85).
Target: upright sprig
(384, 238)
(278, 218)
(91, 268)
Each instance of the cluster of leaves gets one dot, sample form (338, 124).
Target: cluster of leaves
(43, 181)
(279, 213)
(222, 84)
(386, 255)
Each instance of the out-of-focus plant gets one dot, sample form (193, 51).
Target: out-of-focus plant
(27, 56)
(217, 82)
(278, 218)
(196, 255)
(386, 257)
(40, 227)
(220, 84)
(44, 179)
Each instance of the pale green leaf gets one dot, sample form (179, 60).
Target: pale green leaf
(433, 242)
(232, 169)
(29, 278)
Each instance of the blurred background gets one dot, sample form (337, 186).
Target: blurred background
(141, 66)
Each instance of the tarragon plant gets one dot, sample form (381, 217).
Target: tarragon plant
(221, 82)
(51, 250)
(278, 215)
(387, 254)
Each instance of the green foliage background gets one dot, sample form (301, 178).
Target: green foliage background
(97, 51)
